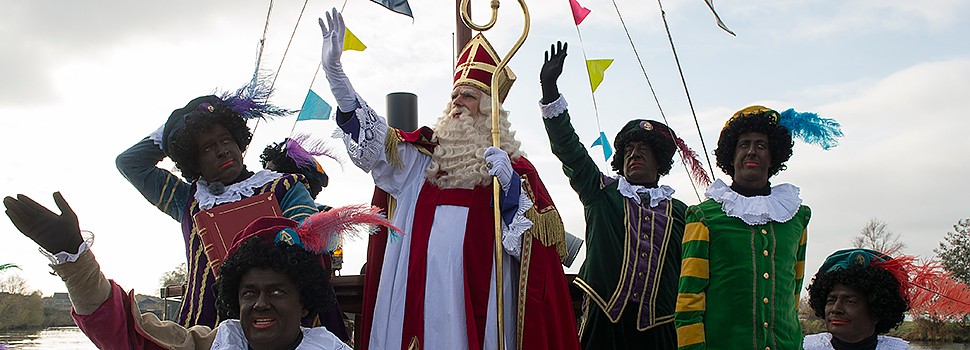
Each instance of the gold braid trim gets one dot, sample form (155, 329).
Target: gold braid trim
(390, 148)
(547, 228)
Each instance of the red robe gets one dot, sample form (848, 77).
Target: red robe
(543, 317)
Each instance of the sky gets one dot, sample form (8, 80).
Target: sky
(83, 81)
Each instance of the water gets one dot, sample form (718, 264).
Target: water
(72, 338)
(50, 338)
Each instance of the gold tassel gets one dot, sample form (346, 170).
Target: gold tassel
(547, 227)
(390, 148)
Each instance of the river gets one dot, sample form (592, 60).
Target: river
(72, 338)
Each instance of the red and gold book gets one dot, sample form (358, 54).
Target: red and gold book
(218, 226)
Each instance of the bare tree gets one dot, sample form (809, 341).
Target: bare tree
(176, 277)
(876, 236)
(954, 251)
(14, 284)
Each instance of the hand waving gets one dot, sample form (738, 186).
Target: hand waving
(333, 39)
(551, 69)
(552, 66)
(55, 233)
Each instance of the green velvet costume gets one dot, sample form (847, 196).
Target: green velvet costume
(633, 252)
(740, 282)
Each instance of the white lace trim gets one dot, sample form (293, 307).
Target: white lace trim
(657, 194)
(229, 335)
(512, 233)
(87, 241)
(779, 206)
(234, 192)
(156, 136)
(554, 108)
(823, 341)
(368, 149)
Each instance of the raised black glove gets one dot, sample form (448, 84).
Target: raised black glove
(55, 233)
(551, 69)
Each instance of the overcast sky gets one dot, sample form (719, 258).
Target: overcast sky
(85, 80)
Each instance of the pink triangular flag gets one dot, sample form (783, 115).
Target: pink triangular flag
(579, 12)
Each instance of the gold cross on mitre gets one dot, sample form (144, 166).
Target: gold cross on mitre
(476, 65)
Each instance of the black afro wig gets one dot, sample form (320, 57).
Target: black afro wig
(302, 267)
(879, 286)
(657, 139)
(779, 141)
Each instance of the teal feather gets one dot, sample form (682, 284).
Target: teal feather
(811, 128)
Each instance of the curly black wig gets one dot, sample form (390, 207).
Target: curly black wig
(779, 141)
(303, 268)
(660, 144)
(282, 163)
(879, 286)
(184, 149)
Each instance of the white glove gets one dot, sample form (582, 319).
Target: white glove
(499, 165)
(333, 46)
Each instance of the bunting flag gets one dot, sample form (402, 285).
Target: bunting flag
(604, 142)
(351, 42)
(579, 12)
(399, 6)
(597, 68)
(710, 4)
(314, 108)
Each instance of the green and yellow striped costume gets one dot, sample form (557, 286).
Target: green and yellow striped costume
(739, 283)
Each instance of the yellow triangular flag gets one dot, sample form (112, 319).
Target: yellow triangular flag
(351, 42)
(596, 70)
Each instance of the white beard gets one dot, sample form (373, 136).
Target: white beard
(459, 158)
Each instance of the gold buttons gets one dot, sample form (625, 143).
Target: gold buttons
(766, 324)
(765, 275)
(643, 255)
(765, 300)
(764, 232)
(767, 348)
(765, 253)
(640, 274)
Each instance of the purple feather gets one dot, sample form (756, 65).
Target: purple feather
(319, 147)
(300, 156)
(252, 100)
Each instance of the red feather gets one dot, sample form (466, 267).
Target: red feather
(931, 291)
(325, 231)
(689, 157)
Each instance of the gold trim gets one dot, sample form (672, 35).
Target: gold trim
(525, 261)
(547, 225)
(414, 344)
(391, 155)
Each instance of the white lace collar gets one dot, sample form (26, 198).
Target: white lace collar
(657, 194)
(779, 206)
(229, 336)
(234, 192)
(823, 341)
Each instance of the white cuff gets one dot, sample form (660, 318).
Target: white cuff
(554, 108)
(156, 136)
(512, 233)
(368, 149)
(65, 257)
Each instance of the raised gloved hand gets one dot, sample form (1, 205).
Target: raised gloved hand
(333, 46)
(551, 69)
(499, 165)
(55, 233)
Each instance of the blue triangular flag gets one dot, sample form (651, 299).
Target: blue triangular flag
(399, 6)
(605, 143)
(314, 107)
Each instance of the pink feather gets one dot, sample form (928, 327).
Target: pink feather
(325, 231)
(931, 291)
(689, 157)
(319, 147)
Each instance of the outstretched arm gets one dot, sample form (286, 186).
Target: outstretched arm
(551, 70)
(333, 45)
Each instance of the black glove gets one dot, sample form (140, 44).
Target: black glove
(55, 233)
(551, 69)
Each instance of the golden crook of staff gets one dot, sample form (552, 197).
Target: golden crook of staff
(496, 142)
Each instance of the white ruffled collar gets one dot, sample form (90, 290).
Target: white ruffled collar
(229, 336)
(657, 194)
(234, 192)
(779, 206)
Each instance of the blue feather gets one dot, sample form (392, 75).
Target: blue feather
(811, 128)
